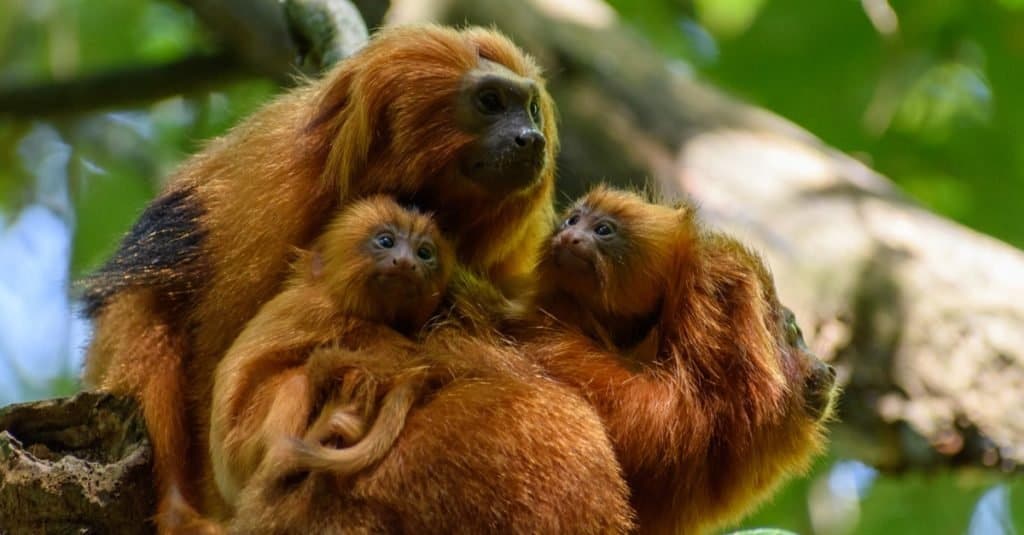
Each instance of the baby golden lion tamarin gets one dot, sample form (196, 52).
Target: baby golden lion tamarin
(492, 445)
(677, 338)
(327, 347)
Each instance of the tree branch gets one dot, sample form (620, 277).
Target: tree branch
(258, 44)
(122, 88)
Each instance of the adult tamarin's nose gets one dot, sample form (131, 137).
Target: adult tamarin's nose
(530, 138)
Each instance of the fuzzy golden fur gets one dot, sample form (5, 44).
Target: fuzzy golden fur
(494, 447)
(676, 336)
(216, 244)
(333, 304)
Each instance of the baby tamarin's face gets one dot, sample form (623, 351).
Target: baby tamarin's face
(404, 264)
(612, 251)
(620, 256)
(384, 262)
(586, 236)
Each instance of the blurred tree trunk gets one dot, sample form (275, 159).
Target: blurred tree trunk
(922, 316)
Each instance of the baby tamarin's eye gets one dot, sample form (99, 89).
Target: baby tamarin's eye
(385, 240)
(425, 252)
(604, 229)
(573, 219)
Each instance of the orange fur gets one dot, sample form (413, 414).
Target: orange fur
(341, 424)
(677, 338)
(495, 447)
(340, 299)
(216, 244)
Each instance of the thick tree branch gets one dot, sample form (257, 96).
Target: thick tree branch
(330, 30)
(259, 38)
(122, 88)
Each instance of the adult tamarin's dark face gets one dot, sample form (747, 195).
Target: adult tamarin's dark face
(503, 112)
(819, 377)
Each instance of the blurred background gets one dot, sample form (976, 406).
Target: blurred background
(929, 93)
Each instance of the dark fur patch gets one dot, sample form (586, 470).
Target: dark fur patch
(162, 251)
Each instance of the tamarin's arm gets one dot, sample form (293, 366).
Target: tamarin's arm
(481, 302)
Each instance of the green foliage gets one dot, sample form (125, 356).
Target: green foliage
(118, 160)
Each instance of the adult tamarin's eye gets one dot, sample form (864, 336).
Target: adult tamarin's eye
(385, 240)
(604, 229)
(793, 334)
(489, 101)
(535, 112)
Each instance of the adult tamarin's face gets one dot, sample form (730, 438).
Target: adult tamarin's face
(431, 114)
(502, 111)
(819, 377)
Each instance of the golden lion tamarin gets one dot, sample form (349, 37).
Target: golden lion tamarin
(677, 338)
(455, 122)
(371, 282)
(495, 446)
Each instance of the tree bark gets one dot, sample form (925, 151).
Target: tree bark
(75, 465)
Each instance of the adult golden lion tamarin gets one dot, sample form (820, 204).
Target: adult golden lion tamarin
(677, 338)
(490, 446)
(368, 286)
(455, 122)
